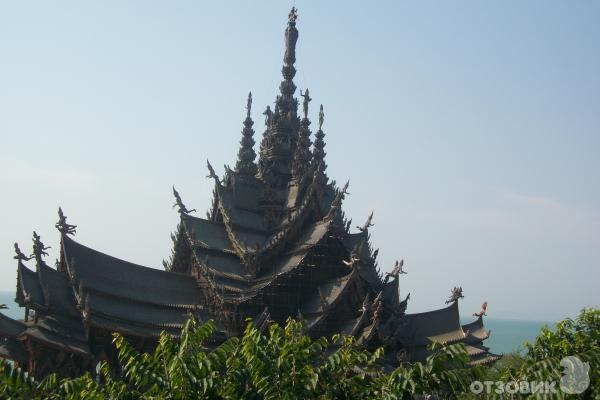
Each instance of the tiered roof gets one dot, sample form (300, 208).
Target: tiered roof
(275, 244)
(443, 326)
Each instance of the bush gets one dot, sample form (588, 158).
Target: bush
(286, 364)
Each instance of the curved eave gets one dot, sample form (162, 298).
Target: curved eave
(143, 331)
(332, 301)
(441, 326)
(485, 359)
(10, 327)
(92, 270)
(29, 291)
(128, 311)
(14, 350)
(54, 340)
(238, 289)
(475, 331)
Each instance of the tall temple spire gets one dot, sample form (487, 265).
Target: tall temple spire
(245, 164)
(319, 145)
(286, 101)
(277, 148)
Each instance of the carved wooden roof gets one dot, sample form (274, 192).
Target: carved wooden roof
(276, 243)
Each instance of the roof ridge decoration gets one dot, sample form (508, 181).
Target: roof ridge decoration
(39, 249)
(455, 294)
(19, 256)
(62, 225)
(368, 223)
(336, 204)
(302, 154)
(182, 209)
(483, 311)
(245, 165)
(319, 144)
(396, 271)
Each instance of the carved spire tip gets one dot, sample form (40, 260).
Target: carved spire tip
(249, 104)
(321, 117)
(62, 225)
(293, 15)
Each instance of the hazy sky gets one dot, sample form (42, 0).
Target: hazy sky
(472, 128)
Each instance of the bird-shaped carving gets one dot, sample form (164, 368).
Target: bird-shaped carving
(63, 226)
(19, 254)
(353, 260)
(367, 224)
(483, 310)
(178, 203)
(211, 171)
(396, 271)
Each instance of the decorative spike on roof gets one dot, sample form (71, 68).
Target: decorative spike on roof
(39, 249)
(182, 209)
(368, 224)
(19, 256)
(396, 271)
(62, 225)
(455, 294)
(319, 145)
(245, 165)
(303, 155)
(337, 202)
(483, 311)
(279, 140)
(286, 101)
(211, 172)
(307, 99)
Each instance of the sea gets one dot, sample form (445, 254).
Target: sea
(506, 335)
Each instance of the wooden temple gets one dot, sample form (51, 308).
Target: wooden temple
(274, 244)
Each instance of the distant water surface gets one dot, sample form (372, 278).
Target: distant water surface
(506, 335)
(13, 311)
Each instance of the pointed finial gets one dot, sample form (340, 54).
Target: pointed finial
(336, 204)
(397, 271)
(19, 254)
(39, 249)
(483, 311)
(344, 190)
(367, 224)
(293, 15)
(321, 117)
(455, 294)
(178, 203)
(249, 105)
(307, 100)
(62, 225)
(211, 172)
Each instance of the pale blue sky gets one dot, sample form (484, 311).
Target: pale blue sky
(471, 128)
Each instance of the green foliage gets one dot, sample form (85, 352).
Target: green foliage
(286, 364)
(579, 337)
